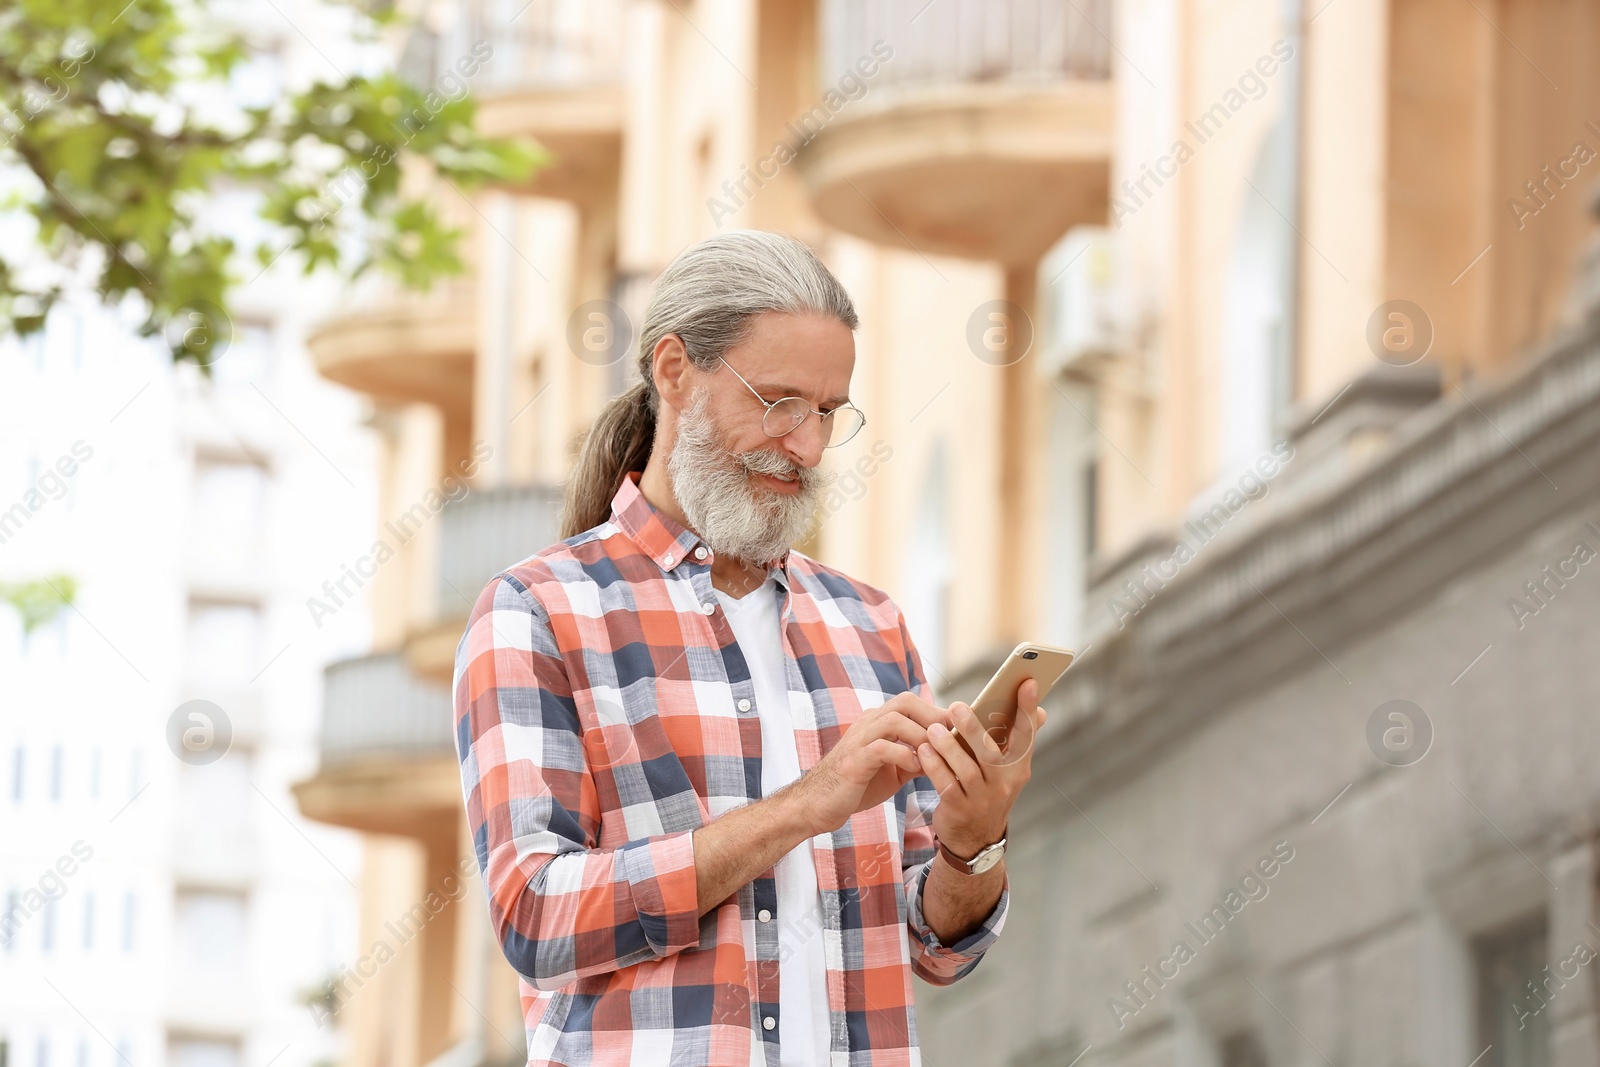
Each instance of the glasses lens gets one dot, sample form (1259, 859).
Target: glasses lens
(784, 416)
(842, 424)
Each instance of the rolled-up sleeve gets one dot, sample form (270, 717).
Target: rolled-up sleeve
(562, 908)
(932, 960)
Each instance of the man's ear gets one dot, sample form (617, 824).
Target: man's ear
(670, 365)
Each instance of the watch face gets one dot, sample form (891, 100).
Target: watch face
(988, 857)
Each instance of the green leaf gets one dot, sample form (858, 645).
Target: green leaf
(41, 600)
(122, 168)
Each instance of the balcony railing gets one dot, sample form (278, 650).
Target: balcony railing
(537, 44)
(485, 532)
(966, 41)
(373, 706)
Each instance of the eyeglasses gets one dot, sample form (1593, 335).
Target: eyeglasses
(785, 415)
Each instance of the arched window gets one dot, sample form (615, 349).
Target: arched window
(1257, 346)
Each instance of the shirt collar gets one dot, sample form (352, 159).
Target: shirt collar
(666, 540)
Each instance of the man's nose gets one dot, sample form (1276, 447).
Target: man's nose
(805, 442)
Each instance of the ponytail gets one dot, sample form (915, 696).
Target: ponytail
(618, 442)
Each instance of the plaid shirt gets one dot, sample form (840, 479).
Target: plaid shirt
(603, 711)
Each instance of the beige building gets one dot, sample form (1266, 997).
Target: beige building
(1215, 341)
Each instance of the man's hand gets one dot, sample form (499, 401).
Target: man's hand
(871, 761)
(976, 794)
(977, 788)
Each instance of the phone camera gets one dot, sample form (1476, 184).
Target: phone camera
(1030, 654)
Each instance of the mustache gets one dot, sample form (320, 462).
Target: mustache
(771, 461)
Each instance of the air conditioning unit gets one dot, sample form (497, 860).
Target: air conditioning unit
(1078, 326)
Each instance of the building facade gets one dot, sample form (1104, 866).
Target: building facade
(163, 902)
(1243, 349)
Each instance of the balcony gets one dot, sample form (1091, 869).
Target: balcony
(553, 74)
(986, 135)
(388, 758)
(404, 346)
(373, 708)
(480, 535)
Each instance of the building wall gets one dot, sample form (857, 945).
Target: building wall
(1362, 940)
(1409, 125)
(201, 906)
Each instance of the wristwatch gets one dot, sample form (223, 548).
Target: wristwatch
(987, 856)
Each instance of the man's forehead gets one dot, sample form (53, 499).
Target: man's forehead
(788, 355)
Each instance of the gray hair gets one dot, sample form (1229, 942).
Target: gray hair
(709, 296)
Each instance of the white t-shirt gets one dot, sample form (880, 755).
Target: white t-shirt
(803, 1026)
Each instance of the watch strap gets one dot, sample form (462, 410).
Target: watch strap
(964, 863)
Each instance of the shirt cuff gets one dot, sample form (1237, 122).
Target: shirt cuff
(666, 894)
(975, 943)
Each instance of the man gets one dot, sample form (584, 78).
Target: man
(719, 819)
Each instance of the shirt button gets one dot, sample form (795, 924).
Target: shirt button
(709, 609)
(768, 1022)
(744, 705)
(667, 562)
(764, 916)
(700, 553)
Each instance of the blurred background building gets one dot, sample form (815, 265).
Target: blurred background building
(1241, 347)
(165, 903)
(196, 909)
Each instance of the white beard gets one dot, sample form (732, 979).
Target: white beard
(735, 517)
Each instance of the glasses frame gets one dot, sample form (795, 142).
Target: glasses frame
(770, 404)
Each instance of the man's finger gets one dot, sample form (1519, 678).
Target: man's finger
(963, 765)
(937, 770)
(1019, 746)
(896, 727)
(970, 727)
(920, 711)
(894, 754)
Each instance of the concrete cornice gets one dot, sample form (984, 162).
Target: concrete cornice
(1462, 479)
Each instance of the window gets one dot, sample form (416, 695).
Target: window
(928, 568)
(229, 498)
(55, 773)
(224, 642)
(215, 801)
(17, 761)
(88, 921)
(9, 921)
(248, 357)
(629, 292)
(1258, 305)
(47, 926)
(56, 630)
(1513, 993)
(197, 1052)
(229, 505)
(1072, 448)
(129, 906)
(210, 931)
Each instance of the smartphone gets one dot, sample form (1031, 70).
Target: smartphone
(996, 705)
